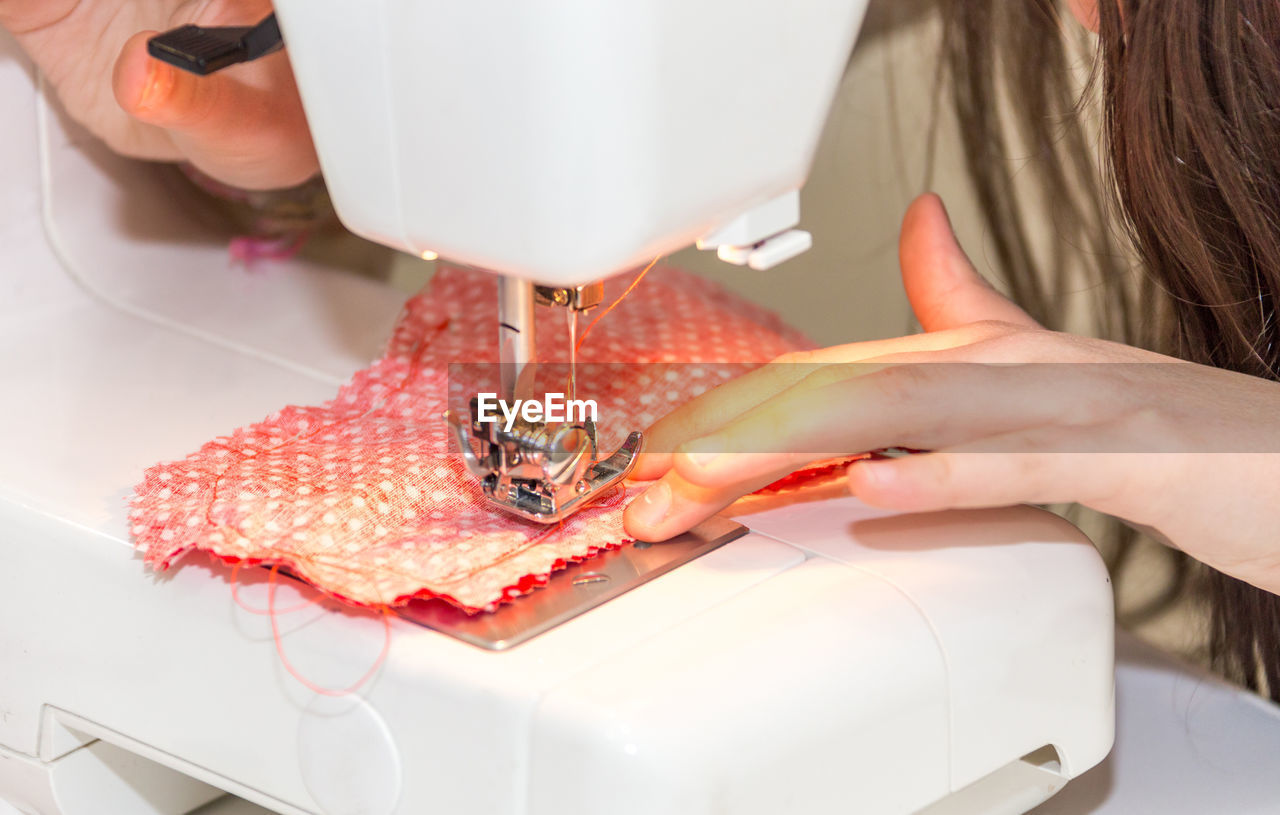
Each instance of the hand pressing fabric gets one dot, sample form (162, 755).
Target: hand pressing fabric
(1143, 441)
(363, 497)
(243, 126)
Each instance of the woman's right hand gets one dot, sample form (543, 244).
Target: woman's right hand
(1009, 413)
(243, 126)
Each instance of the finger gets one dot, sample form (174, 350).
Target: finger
(244, 125)
(1042, 465)
(924, 406)
(716, 408)
(672, 505)
(944, 289)
(708, 412)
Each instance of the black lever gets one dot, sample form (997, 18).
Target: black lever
(203, 50)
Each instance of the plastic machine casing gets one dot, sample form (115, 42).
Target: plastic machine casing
(569, 140)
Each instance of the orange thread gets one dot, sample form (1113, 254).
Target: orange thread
(235, 596)
(615, 303)
(288, 666)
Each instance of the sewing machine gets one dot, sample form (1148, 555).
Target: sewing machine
(826, 657)
(540, 150)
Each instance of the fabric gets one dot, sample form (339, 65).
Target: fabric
(363, 497)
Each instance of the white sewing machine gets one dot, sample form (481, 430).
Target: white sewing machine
(833, 658)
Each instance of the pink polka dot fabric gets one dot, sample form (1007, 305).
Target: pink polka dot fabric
(363, 497)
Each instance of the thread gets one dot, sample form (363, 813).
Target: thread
(273, 614)
(615, 303)
(235, 596)
(295, 673)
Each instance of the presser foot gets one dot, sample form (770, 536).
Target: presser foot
(541, 472)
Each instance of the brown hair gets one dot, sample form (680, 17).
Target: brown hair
(1189, 93)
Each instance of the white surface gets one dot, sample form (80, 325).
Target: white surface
(751, 652)
(1186, 744)
(105, 319)
(348, 757)
(967, 583)
(764, 695)
(541, 140)
(98, 778)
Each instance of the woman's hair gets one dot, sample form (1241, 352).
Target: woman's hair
(1179, 235)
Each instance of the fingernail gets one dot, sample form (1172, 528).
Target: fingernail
(654, 503)
(702, 452)
(703, 460)
(874, 475)
(157, 87)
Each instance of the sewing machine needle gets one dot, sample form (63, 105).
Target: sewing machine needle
(573, 352)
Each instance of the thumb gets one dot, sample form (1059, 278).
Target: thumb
(944, 289)
(246, 129)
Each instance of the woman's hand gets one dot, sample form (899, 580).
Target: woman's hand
(1186, 450)
(243, 126)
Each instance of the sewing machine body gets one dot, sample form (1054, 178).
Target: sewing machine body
(831, 658)
(571, 140)
(762, 677)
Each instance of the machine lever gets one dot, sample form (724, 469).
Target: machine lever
(203, 50)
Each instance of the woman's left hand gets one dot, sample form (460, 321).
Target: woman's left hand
(1160, 442)
(243, 126)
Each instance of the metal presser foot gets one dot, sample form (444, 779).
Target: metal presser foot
(540, 471)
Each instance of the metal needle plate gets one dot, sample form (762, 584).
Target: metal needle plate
(572, 591)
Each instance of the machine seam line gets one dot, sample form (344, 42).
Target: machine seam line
(533, 709)
(69, 265)
(933, 632)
